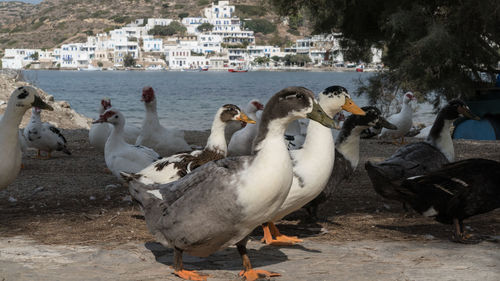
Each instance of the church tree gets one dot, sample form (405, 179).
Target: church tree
(446, 47)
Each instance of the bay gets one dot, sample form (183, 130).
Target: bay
(186, 100)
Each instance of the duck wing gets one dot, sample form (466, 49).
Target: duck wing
(458, 190)
(410, 160)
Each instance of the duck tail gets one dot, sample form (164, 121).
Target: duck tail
(141, 193)
(381, 182)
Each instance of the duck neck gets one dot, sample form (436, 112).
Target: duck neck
(12, 117)
(216, 141)
(348, 143)
(318, 147)
(440, 137)
(151, 115)
(116, 136)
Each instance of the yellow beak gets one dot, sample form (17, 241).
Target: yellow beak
(350, 106)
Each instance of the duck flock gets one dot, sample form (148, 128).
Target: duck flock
(201, 201)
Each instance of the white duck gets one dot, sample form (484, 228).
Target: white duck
(241, 141)
(176, 166)
(165, 141)
(221, 202)
(20, 100)
(44, 136)
(312, 164)
(99, 133)
(402, 120)
(119, 155)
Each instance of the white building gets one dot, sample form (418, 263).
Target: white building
(151, 44)
(209, 43)
(19, 58)
(192, 23)
(181, 58)
(152, 22)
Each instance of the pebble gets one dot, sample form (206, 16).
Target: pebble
(12, 199)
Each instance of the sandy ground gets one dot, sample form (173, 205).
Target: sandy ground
(65, 219)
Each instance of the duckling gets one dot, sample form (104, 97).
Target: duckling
(20, 100)
(221, 202)
(455, 192)
(421, 157)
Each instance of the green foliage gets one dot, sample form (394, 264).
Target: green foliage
(99, 14)
(89, 32)
(128, 60)
(293, 31)
(276, 58)
(35, 56)
(247, 11)
(299, 60)
(205, 27)
(276, 40)
(100, 64)
(203, 2)
(169, 30)
(183, 15)
(120, 18)
(295, 21)
(261, 60)
(179, 6)
(260, 25)
(442, 47)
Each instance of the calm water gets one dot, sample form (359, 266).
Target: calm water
(186, 100)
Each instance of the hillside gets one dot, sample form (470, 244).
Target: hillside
(54, 22)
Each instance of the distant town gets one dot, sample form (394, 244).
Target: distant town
(216, 41)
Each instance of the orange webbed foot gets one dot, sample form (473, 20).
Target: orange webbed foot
(255, 274)
(191, 275)
(282, 240)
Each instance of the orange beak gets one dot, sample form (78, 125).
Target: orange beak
(244, 118)
(350, 106)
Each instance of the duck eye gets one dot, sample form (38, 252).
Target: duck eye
(300, 96)
(116, 116)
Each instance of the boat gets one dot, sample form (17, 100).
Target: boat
(196, 69)
(90, 68)
(239, 69)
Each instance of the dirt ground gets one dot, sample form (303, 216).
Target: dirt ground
(67, 215)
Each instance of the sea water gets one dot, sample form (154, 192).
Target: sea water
(186, 100)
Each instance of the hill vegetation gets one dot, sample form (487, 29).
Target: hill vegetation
(54, 22)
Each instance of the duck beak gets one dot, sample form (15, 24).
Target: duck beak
(38, 102)
(244, 118)
(320, 116)
(100, 120)
(386, 124)
(350, 106)
(467, 113)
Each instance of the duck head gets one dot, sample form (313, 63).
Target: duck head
(294, 103)
(112, 116)
(373, 118)
(231, 112)
(408, 97)
(254, 106)
(148, 94)
(105, 105)
(25, 97)
(457, 108)
(334, 99)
